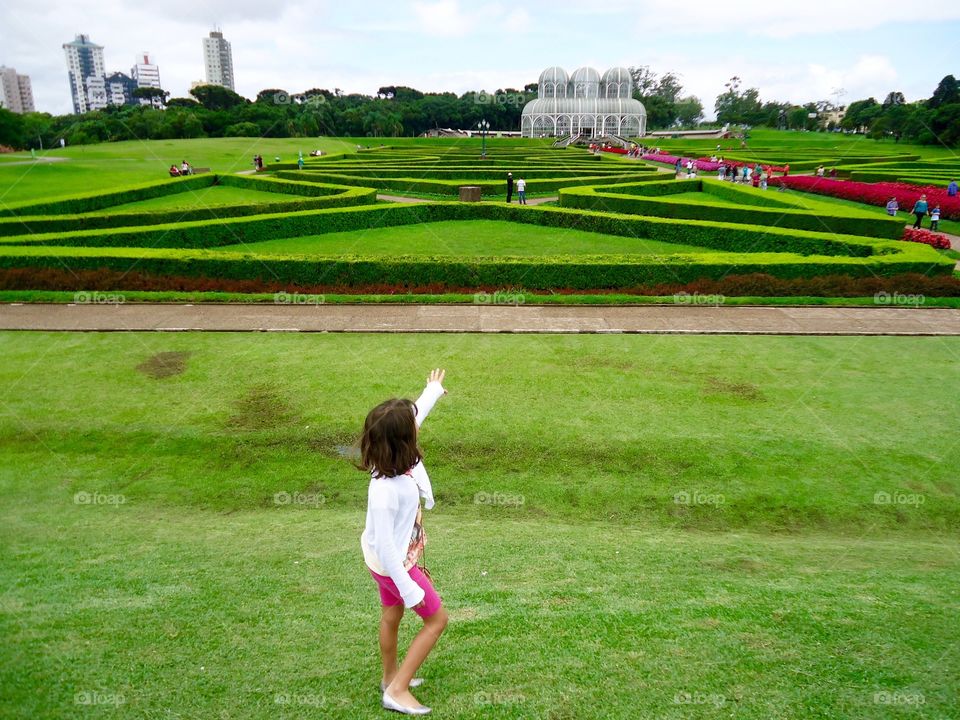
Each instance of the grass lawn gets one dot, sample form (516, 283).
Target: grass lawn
(473, 238)
(151, 569)
(214, 196)
(112, 165)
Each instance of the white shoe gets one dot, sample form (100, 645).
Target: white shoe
(390, 704)
(414, 683)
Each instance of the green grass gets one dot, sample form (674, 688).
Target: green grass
(109, 166)
(591, 593)
(214, 196)
(57, 296)
(469, 238)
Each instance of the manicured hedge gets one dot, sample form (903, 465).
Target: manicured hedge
(323, 196)
(788, 254)
(574, 272)
(836, 220)
(89, 202)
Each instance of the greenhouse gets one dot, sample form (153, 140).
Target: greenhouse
(584, 104)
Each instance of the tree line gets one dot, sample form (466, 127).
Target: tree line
(933, 121)
(213, 111)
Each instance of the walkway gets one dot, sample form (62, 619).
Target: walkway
(483, 318)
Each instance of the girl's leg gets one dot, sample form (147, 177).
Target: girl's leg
(399, 688)
(389, 628)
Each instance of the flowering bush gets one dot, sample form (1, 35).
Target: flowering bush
(877, 193)
(926, 236)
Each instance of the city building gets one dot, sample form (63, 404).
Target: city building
(218, 60)
(119, 88)
(16, 95)
(85, 69)
(584, 104)
(146, 74)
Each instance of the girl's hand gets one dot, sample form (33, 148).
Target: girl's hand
(437, 376)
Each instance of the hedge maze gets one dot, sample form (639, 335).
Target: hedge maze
(167, 235)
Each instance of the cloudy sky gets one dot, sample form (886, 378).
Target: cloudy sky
(791, 51)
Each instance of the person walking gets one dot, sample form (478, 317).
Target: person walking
(393, 539)
(509, 187)
(920, 209)
(935, 218)
(522, 191)
(953, 189)
(892, 207)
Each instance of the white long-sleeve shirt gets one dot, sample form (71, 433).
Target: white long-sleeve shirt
(392, 505)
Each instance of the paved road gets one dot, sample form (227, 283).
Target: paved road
(483, 318)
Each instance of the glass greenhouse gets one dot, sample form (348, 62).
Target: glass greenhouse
(584, 103)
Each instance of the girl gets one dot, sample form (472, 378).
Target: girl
(393, 539)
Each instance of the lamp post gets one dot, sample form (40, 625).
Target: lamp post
(483, 126)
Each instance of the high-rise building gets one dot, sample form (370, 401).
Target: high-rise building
(16, 94)
(85, 68)
(147, 74)
(218, 60)
(119, 87)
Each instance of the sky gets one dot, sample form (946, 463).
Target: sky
(791, 51)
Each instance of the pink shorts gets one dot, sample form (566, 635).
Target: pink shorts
(390, 596)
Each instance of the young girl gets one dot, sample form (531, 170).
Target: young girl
(393, 539)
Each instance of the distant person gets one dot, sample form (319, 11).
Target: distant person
(300, 160)
(509, 188)
(722, 173)
(935, 218)
(786, 170)
(174, 171)
(920, 210)
(185, 168)
(833, 173)
(953, 189)
(820, 171)
(892, 207)
(259, 163)
(522, 191)
(678, 166)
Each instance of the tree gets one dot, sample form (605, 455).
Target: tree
(11, 129)
(273, 96)
(894, 98)
(688, 111)
(182, 102)
(151, 93)
(947, 93)
(861, 115)
(216, 97)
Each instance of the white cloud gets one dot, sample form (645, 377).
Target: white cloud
(776, 18)
(443, 18)
(517, 21)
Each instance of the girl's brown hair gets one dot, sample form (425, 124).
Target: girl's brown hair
(388, 446)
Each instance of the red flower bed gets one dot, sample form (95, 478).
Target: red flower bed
(877, 193)
(927, 237)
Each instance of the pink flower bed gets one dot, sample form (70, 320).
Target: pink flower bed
(927, 237)
(877, 193)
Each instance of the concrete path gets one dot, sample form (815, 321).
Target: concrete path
(483, 318)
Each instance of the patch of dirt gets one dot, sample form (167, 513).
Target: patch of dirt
(743, 391)
(262, 408)
(164, 364)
